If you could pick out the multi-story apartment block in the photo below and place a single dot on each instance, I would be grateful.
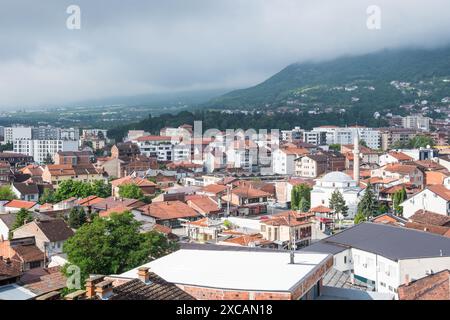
(338, 135)
(393, 136)
(293, 135)
(416, 122)
(42, 149)
(160, 147)
(316, 138)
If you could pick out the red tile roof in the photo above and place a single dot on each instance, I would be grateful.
(249, 192)
(132, 180)
(400, 156)
(21, 204)
(432, 287)
(214, 188)
(289, 218)
(320, 209)
(154, 138)
(90, 201)
(118, 210)
(400, 168)
(203, 205)
(440, 190)
(168, 210)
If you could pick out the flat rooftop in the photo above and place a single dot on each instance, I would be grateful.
(234, 269)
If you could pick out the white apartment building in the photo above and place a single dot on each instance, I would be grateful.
(383, 257)
(338, 135)
(40, 149)
(416, 122)
(316, 138)
(435, 198)
(94, 133)
(156, 146)
(283, 160)
(292, 135)
(17, 133)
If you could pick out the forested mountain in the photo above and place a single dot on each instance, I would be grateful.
(379, 80)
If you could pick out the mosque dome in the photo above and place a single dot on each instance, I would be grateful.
(336, 176)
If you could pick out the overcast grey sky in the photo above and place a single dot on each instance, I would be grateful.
(140, 47)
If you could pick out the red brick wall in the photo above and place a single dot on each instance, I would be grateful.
(201, 293)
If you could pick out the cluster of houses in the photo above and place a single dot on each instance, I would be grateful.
(228, 204)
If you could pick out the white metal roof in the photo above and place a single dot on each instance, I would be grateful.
(228, 269)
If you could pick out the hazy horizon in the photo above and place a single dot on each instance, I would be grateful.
(158, 48)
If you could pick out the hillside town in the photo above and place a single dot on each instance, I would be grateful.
(332, 213)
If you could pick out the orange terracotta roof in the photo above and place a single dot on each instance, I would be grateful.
(132, 180)
(118, 210)
(203, 205)
(90, 201)
(21, 204)
(432, 287)
(400, 156)
(247, 239)
(295, 151)
(184, 164)
(289, 218)
(400, 168)
(320, 209)
(214, 188)
(440, 190)
(168, 210)
(249, 192)
(154, 138)
(162, 229)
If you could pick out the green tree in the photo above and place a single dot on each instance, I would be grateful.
(114, 245)
(335, 147)
(48, 196)
(397, 198)
(299, 192)
(77, 217)
(304, 205)
(6, 193)
(368, 205)
(22, 217)
(101, 189)
(130, 191)
(48, 159)
(359, 218)
(338, 205)
(421, 141)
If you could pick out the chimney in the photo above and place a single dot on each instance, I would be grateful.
(104, 289)
(90, 285)
(144, 274)
(407, 280)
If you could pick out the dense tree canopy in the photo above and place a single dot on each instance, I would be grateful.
(301, 197)
(77, 217)
(6, 193)
(130, 191)
(78, 189)
(22, 217)
(114, 245)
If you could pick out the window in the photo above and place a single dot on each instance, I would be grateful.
(345, 259)
(35, 264)
(383, 284)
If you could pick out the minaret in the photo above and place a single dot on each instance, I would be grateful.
(356, 158)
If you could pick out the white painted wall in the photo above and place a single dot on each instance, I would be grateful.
(425, 200)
